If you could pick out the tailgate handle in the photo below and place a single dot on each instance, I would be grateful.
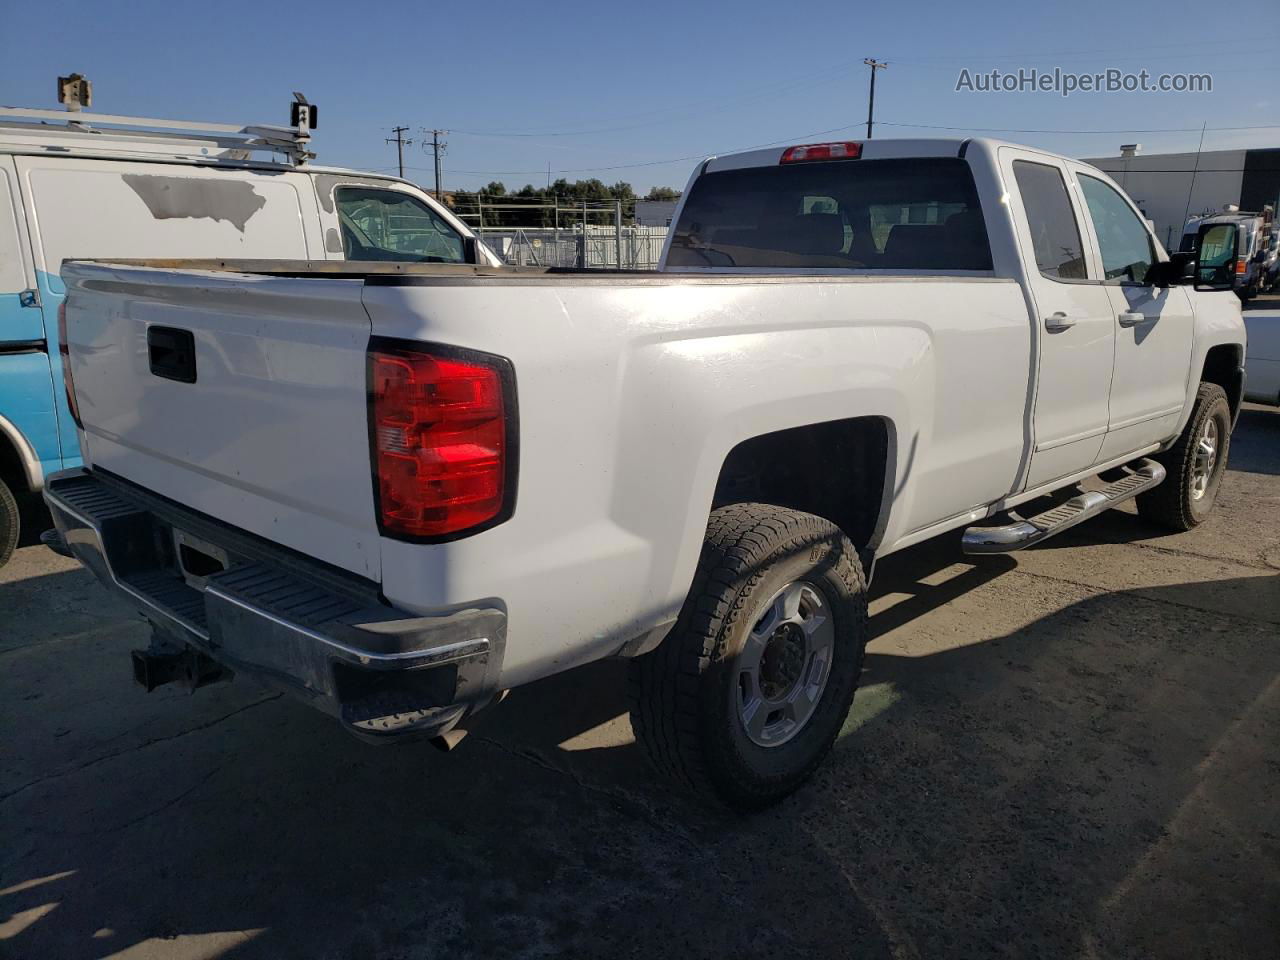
(173, 353)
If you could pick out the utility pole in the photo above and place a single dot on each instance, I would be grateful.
(617, 231)
(871, 102)
(400, 143)
(437, 151)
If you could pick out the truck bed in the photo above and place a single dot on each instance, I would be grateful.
(380, 272)
(630, 391)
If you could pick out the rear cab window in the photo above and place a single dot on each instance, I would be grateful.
(390, 225)
(893, 214)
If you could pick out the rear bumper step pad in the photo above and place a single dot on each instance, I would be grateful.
(379, 670)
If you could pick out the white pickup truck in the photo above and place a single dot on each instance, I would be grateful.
(399, 490)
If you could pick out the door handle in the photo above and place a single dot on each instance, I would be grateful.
(1131, 319)
(1058, 321)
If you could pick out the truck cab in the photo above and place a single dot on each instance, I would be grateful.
(88, 185)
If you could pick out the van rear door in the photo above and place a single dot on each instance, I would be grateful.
(85, 207)
(28, 424)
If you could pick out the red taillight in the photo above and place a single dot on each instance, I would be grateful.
(65, 354)
(1241, 267)
(810, 152)
(439, 420)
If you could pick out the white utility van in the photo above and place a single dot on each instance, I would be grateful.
(82, 185)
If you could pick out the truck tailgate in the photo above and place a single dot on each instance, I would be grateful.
(272, 435)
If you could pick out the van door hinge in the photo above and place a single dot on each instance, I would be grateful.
(29, 298)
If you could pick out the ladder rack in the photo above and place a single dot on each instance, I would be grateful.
(293, 142)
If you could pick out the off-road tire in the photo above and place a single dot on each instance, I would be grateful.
(684, 694)
(10, 523)
(1171, 504)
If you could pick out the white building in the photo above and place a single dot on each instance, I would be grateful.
(655, 213)
(1169, 187)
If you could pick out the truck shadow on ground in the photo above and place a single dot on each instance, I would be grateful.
(1093, 781)
(1255, 442)
(33, 517)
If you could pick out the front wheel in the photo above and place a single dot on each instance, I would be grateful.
(1195, 465)
(746, 695)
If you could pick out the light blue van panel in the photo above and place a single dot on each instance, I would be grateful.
(27, 401)
(19, 323)
(52, 293)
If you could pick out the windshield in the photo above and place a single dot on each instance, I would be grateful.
(1217, 253)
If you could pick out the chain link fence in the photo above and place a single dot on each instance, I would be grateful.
(601, 247)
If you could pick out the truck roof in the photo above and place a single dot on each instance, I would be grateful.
(1226, 217)
(875, 149)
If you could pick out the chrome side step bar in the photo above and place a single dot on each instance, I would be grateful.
(1143, 475)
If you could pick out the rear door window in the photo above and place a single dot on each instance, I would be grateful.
(909, 214)
(390, 225)
(1055, 234)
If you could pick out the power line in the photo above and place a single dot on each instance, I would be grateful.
(659, 117)
(663, 116)
(1197, 46)
(932, 126)
(819, 133)
(655, 163)
(1192, 187)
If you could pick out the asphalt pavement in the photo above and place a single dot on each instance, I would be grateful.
(1070, 752)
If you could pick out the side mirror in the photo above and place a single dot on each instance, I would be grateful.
(1216, 257)
(471, 251)
(1179, 268)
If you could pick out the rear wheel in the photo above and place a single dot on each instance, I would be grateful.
(746, 695)
(1195, 465)
(10, 523)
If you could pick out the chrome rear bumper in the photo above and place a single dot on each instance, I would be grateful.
(317, 632)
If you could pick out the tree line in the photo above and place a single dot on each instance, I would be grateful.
(494, 206)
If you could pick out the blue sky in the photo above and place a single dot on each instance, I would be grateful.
(626, 91)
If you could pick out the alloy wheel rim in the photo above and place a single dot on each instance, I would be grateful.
(1206, 458)
(784, 665)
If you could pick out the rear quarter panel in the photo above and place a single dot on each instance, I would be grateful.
(632, 394)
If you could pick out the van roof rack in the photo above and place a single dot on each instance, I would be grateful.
(99, 131)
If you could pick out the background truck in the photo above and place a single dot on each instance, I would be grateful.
(93, 185)
(1262, 368)
(1243, 238)
(397, 491)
